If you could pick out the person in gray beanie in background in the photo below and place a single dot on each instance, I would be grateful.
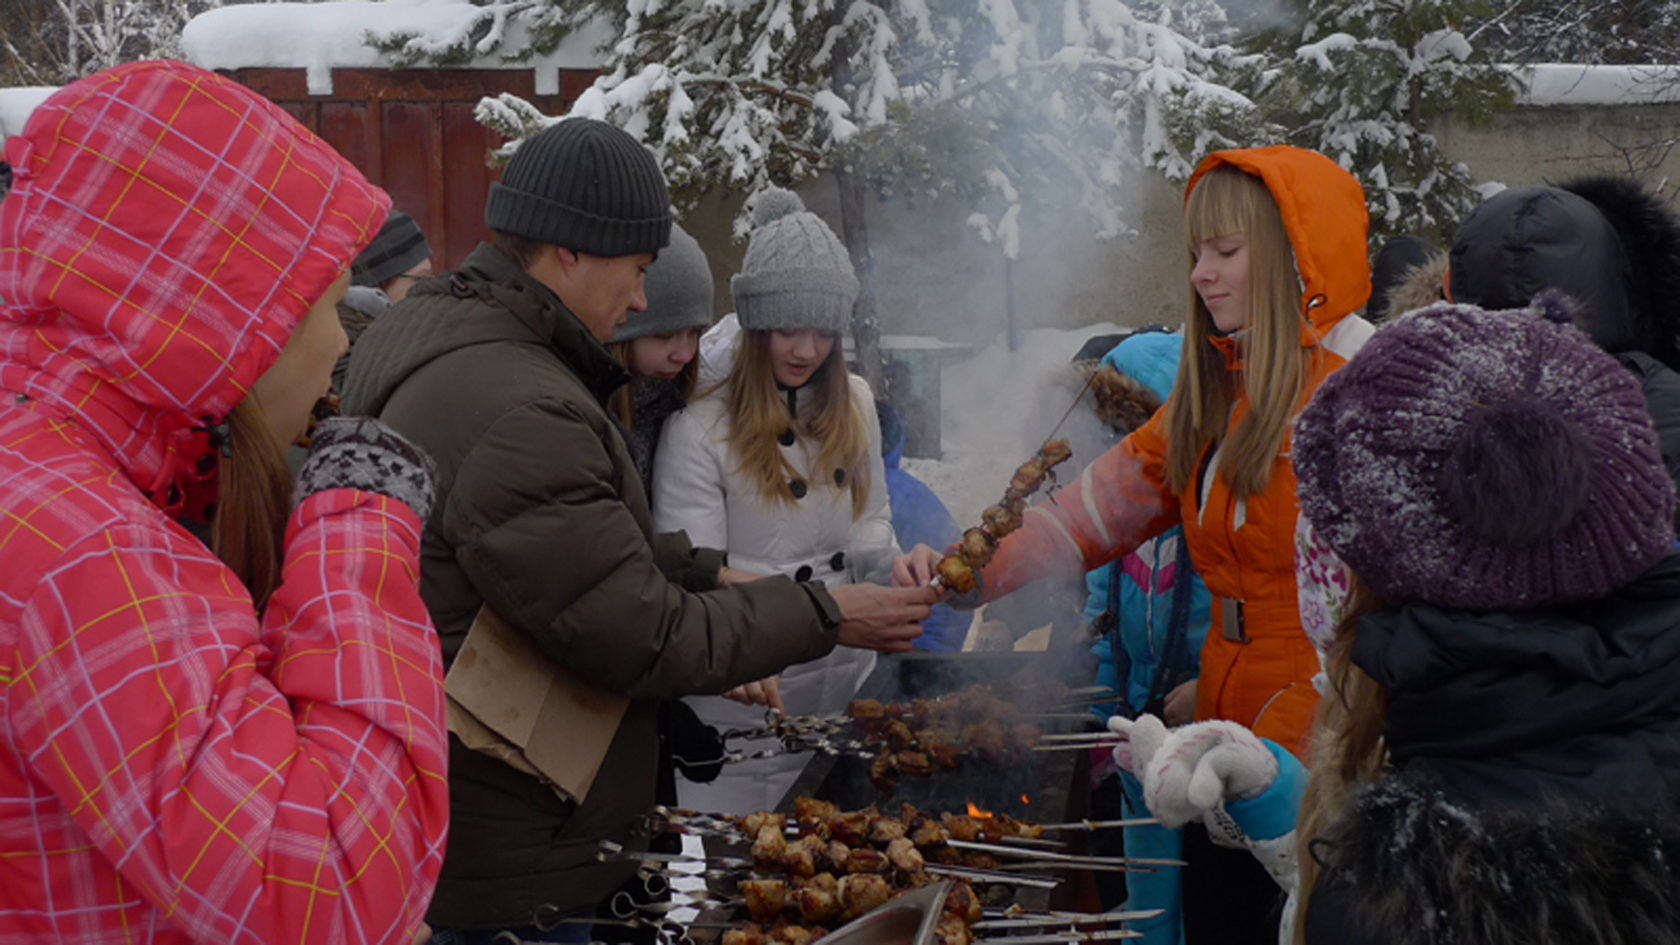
(660, 347)
(499, 370)
(381, 275)
(1497, 755)
(778, 462)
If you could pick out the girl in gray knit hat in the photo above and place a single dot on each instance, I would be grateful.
(779, 463)
(660, 347)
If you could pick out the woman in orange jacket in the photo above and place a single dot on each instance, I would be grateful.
(1276, 239)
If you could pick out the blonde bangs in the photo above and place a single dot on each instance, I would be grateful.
(759, 414)
(1224, 201)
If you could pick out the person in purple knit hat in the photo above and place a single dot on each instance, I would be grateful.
(1497, 755)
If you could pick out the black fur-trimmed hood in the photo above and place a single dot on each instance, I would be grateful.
(1407, 867)
(1604, 240)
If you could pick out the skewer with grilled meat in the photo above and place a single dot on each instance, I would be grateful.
(765, 898)
(949, 931)
(769, 846)
(819, 900)
(904, 856)
(956, 570)
(961, 902)
(860, 893)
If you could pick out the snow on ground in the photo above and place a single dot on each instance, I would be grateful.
(999, 407)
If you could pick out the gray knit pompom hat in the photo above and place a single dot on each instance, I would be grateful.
(679, 291)
(796, 273)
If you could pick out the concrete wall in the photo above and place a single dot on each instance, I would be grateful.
(936, 277)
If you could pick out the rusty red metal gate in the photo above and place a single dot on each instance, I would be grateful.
(412, 132)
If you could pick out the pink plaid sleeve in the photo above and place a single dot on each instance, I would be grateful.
(238, 782)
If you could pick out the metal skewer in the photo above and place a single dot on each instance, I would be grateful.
(991, 876)
(1051, 856)
(1065, 918)
(1101, 824)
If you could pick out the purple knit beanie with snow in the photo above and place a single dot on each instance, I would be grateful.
(1485, 460)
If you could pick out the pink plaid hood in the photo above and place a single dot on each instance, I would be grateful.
(165, 233)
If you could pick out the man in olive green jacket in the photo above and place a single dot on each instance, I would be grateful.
(498, 371)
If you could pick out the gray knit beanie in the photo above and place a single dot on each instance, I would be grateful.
(796, 273)
(679, 291)
(586, 186)
(398, 247)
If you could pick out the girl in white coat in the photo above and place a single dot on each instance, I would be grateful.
(778, 462)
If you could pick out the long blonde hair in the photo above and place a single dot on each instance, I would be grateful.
(1348, 747)
(253, 501)
(1225, 201)
(758, 415)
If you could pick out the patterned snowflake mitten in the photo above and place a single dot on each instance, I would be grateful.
(362, 453)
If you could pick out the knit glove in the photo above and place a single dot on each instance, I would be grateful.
(362, 453)
(1192, 770)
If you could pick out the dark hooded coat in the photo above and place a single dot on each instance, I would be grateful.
(541, 515)
(1531, 797)
(1607, 243)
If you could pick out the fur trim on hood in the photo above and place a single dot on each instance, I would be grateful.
(1419, 286)
(1406, 866)
(1650, 234)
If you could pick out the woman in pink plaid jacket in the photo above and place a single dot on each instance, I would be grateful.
(244, 746)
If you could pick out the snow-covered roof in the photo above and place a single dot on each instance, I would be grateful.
(1570, 84)
(319, 37)
(17, 103)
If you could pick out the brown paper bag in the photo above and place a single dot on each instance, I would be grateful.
(507, 699)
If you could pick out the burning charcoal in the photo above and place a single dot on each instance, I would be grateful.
(904, 856)
(765, 898)
(861, 893)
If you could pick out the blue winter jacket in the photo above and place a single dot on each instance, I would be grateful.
(919, 516)
(1148, 574)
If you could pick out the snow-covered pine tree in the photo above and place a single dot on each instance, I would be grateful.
(1360, 80)
(1025, 111)
(51, 42)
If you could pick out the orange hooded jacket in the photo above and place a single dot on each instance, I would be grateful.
(1243, 549)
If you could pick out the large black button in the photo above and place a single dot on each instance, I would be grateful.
(838, 562)
(840, 477)
(785, 437)
(798, 488)
(803, 574)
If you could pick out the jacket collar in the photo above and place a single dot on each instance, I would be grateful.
(535, 305)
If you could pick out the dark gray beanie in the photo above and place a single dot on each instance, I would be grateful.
(796, 273)
(398, 247)
(586, 186)
(679, 291)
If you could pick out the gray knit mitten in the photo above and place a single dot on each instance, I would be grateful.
(362, 453)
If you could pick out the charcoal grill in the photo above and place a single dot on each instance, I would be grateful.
(1036, 787)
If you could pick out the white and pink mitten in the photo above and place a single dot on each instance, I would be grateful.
(1187, 772)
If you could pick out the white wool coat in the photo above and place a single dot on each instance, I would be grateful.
(698, 488)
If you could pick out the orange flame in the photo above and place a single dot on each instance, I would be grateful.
(980, 812)
(1025, 799)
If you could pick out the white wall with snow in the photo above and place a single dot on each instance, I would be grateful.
(17, 103)
(319, 37)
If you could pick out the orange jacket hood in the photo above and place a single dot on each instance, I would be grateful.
(1323, 210)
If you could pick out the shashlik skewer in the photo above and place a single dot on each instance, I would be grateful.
(977, 545)
(1051, 856)
(1066, 918)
